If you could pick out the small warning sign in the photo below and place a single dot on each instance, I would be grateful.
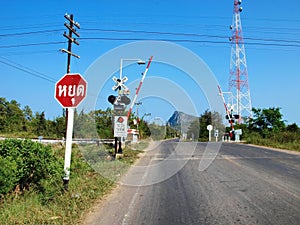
(120, 126)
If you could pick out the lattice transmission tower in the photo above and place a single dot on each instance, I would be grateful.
(238, 77)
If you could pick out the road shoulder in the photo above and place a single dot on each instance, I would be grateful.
(105, 204)
(275, 149)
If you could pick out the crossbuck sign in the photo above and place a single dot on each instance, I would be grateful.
(119, 83)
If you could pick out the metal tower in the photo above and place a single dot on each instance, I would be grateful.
(238, 78)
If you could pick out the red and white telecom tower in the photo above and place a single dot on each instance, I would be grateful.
(238, 78)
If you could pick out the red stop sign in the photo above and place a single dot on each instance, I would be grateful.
(70, 90)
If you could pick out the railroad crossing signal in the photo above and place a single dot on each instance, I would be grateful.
(231, 118)
(70, 90)
(112, 99)
(119, 83)
(117, 100)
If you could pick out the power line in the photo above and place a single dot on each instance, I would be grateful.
(154, 32)
(30, 52)
(30, 32)
(124, 31)
(26, 70)
(186, 40)
(29, 26)
(263, 29)
(109, 20)
(206, 26)
(187, 34)
(32, 44)
(143, 39)
(272, 40)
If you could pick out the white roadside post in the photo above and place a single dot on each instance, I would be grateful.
(69, 137)
(209, 128)
(216, 134)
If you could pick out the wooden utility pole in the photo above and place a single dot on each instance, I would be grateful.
(71, 40)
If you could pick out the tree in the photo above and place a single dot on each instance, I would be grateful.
(40, 124)
(22, 122)
(213, 118)
(158, 131)
(84, 125)
(28, 113)
(28, 116)
(14, 116)
(170, 131)
(60, 127)
(266, 121)
(144, 129)
(193, 130)
(103, 120)
(3, 114)
(293, 128)
(205, 119)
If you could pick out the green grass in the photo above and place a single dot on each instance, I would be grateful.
(284, 140)
(85, 187)
(293, 146)
(64, 209)
(141, 145)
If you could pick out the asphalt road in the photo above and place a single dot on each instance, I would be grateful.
(238, 184)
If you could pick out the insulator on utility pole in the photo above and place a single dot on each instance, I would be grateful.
(66, 51)
(72, 30)
(70, 18)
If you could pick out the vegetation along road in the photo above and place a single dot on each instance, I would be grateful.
(239, 184)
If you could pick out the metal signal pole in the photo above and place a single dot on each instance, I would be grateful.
(228, 113)
(69, 111)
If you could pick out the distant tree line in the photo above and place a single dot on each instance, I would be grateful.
(16, 121)
(266, 127)
(267, 123)
(22, 122)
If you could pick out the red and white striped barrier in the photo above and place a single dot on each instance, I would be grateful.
(139, 87)
(132, 131)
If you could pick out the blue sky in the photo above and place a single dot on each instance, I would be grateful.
(31, 35)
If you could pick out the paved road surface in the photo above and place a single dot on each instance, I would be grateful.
(242, 185)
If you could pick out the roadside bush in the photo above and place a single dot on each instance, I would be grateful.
(8, 178)
(286, 137)
(48, 204)
(283, 140)
(28, 165)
